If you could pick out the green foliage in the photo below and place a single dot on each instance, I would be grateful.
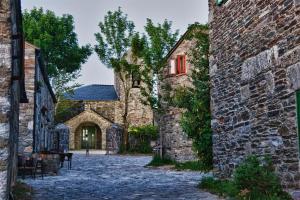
(148, 131)
(252, 180)
(142, 136)
(258, 180)
(67, 109)
(196, 100)
(114, 42)
(114, 39)
(21, 191)
(223, 188)
(192, 165)
(58, 42)
(152, 48)
(157, 161)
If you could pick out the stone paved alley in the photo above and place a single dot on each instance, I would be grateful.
(117, 177)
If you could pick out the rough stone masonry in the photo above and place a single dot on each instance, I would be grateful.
(11, 90)
(37, 115)
(175, 142)
(255, 73)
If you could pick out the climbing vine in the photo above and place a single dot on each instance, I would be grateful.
(196, 100)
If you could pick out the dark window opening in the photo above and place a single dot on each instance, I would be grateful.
(136, 80)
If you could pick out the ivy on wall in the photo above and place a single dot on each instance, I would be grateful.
(196, 121)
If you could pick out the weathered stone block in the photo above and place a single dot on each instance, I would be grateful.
(253, 93)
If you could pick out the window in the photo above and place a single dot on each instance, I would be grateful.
(298, 115)
(178, 65)
(173, 67)
(136, 80)
(181, 64)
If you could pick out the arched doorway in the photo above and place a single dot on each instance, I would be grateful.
(88, 135)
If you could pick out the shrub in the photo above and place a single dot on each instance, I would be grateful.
(192, 165)
(157, 161)
(140, 138)
(147, 131)
(256, 180)
(21, 191)
(223, 188)
(252, 180)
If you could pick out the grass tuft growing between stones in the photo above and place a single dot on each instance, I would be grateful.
(157, 161)
(21, 191)
(252, 180)
(193, 166)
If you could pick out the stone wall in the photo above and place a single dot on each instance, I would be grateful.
(11, 90)
(91, 117)
(138, 113)
(254, 65)
(105, 108)
(26, 116)
(36, 116)
(43, 128)
(114, 139)
(5, 104)
(61, 138)
(175, 143)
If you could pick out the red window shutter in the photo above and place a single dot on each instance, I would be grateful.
(178, 65)
(184, 64)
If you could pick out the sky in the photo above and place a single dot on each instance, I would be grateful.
(88, 13)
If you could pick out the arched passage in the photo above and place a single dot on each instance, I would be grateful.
(88, 135)
(87, 120)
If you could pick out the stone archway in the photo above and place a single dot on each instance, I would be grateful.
(88, 135)
(87, 117)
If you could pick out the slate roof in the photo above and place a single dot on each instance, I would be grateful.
(94, 93)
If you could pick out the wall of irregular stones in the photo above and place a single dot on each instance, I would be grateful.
(89, 116)
(254, 69)
(176, 144)
(36, 116)
(138, 113)
(26, 117)
(5, 104)
(45, 100)
(11, 90)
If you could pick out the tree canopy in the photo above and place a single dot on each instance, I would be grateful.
(56, 38)
(114, 39)
(152, 47)
(114, 42)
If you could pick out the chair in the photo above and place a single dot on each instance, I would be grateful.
(63, 158)
(39, 167)
(69, 157)
(29, 166)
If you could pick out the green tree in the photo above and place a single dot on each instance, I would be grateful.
(56, 38)
(196, 120)
(152, 48)
(114, 42)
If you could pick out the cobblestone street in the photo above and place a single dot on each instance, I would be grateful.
(117, 177)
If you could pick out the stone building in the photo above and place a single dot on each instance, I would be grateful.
(36, 116)
(98, 109)
(11, 90)
(175, 143)
(255, 72)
